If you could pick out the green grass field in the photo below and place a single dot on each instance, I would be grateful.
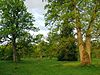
(48, 67)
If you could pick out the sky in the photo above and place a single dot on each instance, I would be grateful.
(36, 7)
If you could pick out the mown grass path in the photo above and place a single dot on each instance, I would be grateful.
(48, 67)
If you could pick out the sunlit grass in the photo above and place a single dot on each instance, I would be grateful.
(48, 67)
(71, 64)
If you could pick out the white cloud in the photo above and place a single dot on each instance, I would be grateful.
(36, 7)
(35, 4)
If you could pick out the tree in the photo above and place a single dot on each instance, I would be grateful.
(67, 45)
(62, 44)
(52, 46)
(85, 46)
(40, 47)
(14, 22)
(25, 45)
(83, 15)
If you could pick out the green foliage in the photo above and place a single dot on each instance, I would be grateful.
(64, 12)
(63, 17)
(59, 20)
(96, 49)
(52, 47)
(14, 18)
(62, 45)
(40, 49)
(15, 24)
(6, 52)
(24, 48)
(24, 45)
(67, 46)
(67, 50)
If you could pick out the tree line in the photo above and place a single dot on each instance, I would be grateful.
(74, 31)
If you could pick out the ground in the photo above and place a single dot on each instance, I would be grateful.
(48, 67)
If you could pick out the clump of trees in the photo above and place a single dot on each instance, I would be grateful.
(83, 15)
(74, 25)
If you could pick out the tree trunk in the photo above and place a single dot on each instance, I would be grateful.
(80, 43)
(85, 47)
(88, 46)
(84, 55)
(14, 50)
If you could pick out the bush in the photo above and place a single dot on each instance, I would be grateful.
(68, 51)
(67, 55)
(5, 52)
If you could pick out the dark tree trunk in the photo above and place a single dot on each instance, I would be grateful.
(14, 49)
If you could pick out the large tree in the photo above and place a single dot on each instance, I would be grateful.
(15, 20)
(83, 15)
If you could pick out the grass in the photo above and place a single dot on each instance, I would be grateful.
(48, 67)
